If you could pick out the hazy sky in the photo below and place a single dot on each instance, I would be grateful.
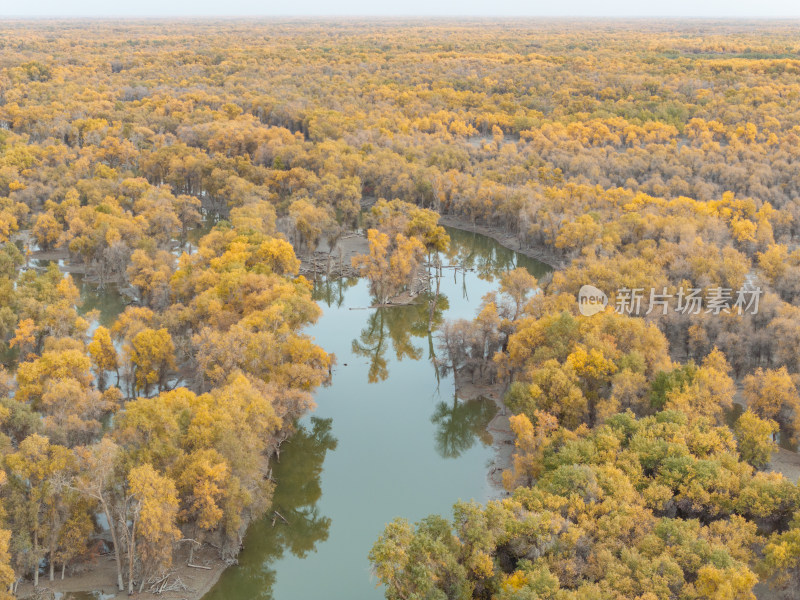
(611, 8)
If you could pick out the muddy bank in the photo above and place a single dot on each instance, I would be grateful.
(337, 261)
(502, 436)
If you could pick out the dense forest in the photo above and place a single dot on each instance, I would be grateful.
(194, 164)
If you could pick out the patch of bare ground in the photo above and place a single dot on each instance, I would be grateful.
(498, 427)
(336, 261)
(507, 240)
(764, 590)
(784, 461)
(399, 300)
(787, 463)
(100, 577)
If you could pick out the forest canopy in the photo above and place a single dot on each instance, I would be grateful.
(195, 165)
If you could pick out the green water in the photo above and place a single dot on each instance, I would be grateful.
(387, 439)
(106, 304)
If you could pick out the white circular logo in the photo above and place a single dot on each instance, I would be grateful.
(591, 300)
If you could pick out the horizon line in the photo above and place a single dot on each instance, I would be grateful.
(352, 16)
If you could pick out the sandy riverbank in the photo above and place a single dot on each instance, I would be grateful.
(99, 578)
(498, 427)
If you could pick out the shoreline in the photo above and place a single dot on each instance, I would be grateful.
(499, 428)
(541, 253)
(336, 262)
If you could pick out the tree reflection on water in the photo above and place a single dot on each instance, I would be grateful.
(395, 327)
(296, 495)
(460, 424)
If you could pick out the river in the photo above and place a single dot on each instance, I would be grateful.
(387, 439)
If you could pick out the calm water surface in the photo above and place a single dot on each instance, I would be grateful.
(387, 439)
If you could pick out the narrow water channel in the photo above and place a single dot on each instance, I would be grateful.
(387, 439)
